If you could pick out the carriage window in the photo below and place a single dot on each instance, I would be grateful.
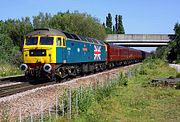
(68, 35)
(101, 42)
(86, 38)
(75, 37)
(90, 40)
(46, 41)
(82, 38)
(31, 40)
(95, 41)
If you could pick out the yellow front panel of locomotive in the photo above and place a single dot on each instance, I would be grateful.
(50, 53)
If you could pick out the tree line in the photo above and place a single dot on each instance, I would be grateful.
(13, 31)
(171, 53)
(80, 23)
(118, 28)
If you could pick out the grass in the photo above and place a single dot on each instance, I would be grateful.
(7, 69)
(138, 101)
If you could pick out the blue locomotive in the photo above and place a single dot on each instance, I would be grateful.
(54, 53)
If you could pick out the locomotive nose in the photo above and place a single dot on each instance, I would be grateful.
(23, 67)
(47, 67)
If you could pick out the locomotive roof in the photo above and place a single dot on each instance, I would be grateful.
(55, 32)
(46, 31)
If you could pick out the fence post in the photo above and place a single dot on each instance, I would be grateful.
(102, 84)
(49, 114)
(63, 105)
(81, 89)
(42, 116)
(129, 73)
(77, 103)
(69, 103)
(56, 106)
(91, 86)
(20, 115)
(110, 83)
(31, 117)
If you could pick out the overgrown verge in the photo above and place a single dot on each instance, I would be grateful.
(76, 103)
(7, 69)
(130, 98)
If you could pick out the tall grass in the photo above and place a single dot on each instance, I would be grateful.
(7, 69)
(135, 100)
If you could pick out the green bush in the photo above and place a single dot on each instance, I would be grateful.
(6, 45)
(9, 52)
(178, 75)
(10, 57)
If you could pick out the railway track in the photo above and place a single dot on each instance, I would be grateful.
(13, 85)
(12, 79)
(13, 89)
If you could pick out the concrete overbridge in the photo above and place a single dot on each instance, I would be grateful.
(140, 40)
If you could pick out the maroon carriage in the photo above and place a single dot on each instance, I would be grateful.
(118, 55)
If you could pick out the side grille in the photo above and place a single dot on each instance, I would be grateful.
(37, 52)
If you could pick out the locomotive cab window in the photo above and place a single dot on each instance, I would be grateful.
(31, 40)
(60, 42)
(46, 41)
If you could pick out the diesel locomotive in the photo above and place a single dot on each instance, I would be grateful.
(56, 54)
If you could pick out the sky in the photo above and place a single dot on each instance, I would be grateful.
(139, 16)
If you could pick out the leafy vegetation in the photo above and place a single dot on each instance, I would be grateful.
(171, 53)
(82, 24)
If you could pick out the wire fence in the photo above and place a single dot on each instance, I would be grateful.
(73, 102)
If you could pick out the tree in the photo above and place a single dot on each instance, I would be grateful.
(16, 29)
(116, 23)
(114, 30)
(109, 24)
(175, 45)
(42, 20)
(120, 28)
(104, 25)
(79, 23)
(172, 51)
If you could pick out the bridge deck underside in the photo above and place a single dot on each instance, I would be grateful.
(140, 40)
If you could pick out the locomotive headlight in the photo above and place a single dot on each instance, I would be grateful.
(23, 67)
(47, 67)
